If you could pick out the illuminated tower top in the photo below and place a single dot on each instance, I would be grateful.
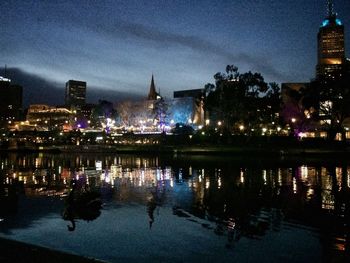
(331, 46)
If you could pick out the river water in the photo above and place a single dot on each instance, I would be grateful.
(133, 208)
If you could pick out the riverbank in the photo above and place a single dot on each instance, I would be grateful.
(224, 150)
(259, 150)
(236, 146)
(14, 251)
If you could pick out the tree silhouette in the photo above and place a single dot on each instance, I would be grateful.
(240, 99)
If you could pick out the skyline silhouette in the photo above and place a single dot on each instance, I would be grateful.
(116, 46)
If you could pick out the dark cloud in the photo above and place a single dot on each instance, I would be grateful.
(122, 29)
(197, 44)
(37, 89)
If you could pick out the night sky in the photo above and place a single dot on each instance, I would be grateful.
(116, 45)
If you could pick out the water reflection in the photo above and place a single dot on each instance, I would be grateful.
(230, 199)
(156, 199)
(81, 203)
(9, 197)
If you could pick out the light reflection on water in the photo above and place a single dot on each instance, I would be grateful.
(234, 204)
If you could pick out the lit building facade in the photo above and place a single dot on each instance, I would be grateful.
(75, 95)
(331, 46)
(45, 117)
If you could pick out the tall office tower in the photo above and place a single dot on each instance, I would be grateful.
(11, 97)
(331, 47)
(75, 94)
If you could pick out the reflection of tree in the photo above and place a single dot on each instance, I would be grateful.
(151, 206)
(156, 199)
(233, 209)
(81, 203)
(256, 204)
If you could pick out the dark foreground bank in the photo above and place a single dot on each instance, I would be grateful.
(13, 251)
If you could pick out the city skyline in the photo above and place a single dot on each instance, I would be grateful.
(116, 46)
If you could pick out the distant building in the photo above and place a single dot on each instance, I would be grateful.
(75, 94)
(159, 114)
(45, 117)
(193, 93)
(185, 110)
(11, 97)
(152, 94)
(87, 110)
(196, 96)
(149, 116)
(331, 46)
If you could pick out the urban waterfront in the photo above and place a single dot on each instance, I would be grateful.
(178, 208)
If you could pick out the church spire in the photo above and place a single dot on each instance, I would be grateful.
(152, 95)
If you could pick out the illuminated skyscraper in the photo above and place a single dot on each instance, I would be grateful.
(75, 94)
(331, 47)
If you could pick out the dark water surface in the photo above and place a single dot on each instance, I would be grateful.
(178, 209)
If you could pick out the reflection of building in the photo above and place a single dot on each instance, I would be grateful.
(10, 100)
(331, 48)
(75, 94)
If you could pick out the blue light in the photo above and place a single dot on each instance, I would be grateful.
(325, 22)
(338, 22)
